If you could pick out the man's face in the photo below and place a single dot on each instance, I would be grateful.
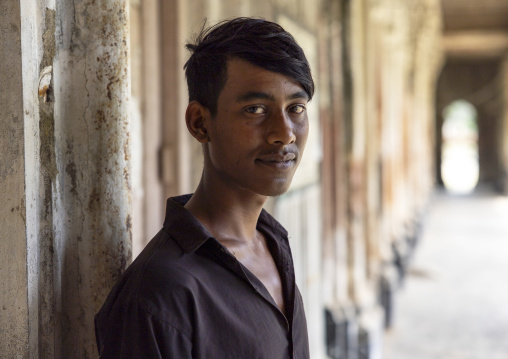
(257, 138)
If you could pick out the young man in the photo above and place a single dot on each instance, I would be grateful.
(218, 281)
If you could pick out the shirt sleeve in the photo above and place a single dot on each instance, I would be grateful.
(137, 333)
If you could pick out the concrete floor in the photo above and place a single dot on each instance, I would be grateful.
(454, 301)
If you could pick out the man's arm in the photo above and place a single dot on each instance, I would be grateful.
(137, 333)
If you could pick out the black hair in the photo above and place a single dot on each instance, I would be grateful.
(262, 43)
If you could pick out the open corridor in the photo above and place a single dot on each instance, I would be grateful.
(407, 95)
(454, 301)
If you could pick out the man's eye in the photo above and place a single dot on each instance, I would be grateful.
(257, 110)
(297, 109)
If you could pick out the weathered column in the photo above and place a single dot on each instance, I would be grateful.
(14, 311)
(92, 201)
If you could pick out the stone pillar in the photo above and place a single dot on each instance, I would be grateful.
(92, 191)
(14, 309)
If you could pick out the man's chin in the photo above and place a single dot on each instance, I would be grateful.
(277, 190)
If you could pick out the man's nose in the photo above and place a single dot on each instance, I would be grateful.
(280, 129)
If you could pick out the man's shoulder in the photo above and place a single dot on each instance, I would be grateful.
(150, 292)
(165, 268)
(161, 273)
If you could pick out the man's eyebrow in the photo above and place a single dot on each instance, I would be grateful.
(254, 95)
(299, 94)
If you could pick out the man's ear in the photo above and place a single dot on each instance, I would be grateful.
(195, 118)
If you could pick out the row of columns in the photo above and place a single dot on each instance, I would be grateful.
(67, 177)
(381, 159)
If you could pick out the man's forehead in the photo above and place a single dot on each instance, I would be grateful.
(255, 95)
(257, 81)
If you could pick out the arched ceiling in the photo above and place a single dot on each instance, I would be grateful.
(475, 28)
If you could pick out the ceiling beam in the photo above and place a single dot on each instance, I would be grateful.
(475, 44)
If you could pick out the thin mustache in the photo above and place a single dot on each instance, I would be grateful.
(278, 156)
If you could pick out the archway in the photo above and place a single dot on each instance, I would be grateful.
(459, 154)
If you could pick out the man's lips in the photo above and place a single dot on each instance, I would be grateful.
(277, 157)
(278, 160)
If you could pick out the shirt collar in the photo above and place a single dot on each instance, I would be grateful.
(190, 234)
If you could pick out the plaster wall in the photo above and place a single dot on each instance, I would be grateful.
(14, 310)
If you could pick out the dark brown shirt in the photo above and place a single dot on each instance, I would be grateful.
(186, 296)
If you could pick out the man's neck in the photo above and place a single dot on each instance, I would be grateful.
(229, 214)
